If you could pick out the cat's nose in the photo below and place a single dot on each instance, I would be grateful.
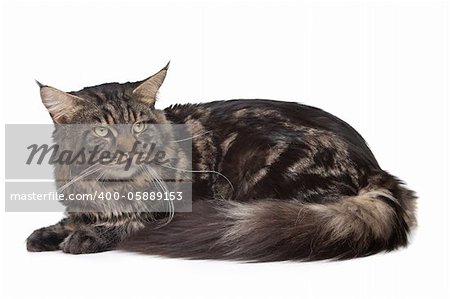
(125, 145)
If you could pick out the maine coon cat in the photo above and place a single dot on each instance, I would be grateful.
(271, 181)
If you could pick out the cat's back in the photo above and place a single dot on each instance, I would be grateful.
(240, 137)
(267, 118)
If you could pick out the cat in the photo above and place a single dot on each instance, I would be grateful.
(271, 181)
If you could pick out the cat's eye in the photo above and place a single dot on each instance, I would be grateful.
(138, 127)
(101, 131)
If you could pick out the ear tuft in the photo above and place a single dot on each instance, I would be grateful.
(167, 66)
(39, 84)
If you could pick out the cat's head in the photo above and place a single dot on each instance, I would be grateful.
(118, 120)
(109, 104)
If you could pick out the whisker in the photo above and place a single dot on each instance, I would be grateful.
(200, 171)
(195, 136)
(90, 170)
(171, 208)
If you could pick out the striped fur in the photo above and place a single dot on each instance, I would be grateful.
(274, 181)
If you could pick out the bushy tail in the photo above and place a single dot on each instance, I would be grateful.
(377, 219)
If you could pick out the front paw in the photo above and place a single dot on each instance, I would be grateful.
(84, 241)
(44, 239)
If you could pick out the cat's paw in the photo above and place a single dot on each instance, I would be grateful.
(84, 241)
(44, 239)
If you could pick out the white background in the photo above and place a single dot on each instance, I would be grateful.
(381, 66)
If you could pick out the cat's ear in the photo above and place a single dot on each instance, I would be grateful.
(61, 105)
(148, 89)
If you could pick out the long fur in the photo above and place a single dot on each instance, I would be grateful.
(377, 219)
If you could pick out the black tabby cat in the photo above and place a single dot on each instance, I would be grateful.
(271, 181)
